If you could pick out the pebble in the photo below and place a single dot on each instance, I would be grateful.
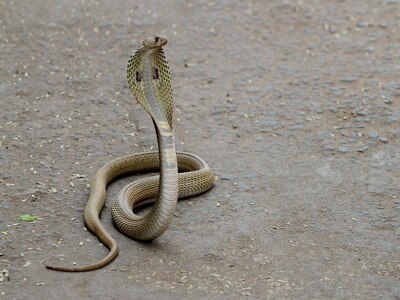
(373, 134)
(348, 79)
(362, 113)
(329, 147)
(388, 101)
(362, 149)
(333, 29)
(318, 110)
(344, 149)
(384, 139)
(333, 109)
(361, 24)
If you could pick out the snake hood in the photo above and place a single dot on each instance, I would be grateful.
(150, 81)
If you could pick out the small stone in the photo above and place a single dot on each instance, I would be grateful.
(361, 24)
(362, 149)
(388, 101)
(384, 139)
(362, 113)
(349, 79)
(333, 109)
(319, 110)
(332, 29)
(329, 147)
(373, 135)
(343, 149)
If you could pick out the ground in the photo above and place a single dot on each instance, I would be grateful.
(294, 104)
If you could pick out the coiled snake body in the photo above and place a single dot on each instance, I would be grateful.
(150, 83)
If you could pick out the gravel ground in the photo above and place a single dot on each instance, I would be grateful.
(294, 104)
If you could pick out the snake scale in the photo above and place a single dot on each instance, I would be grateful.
(150, 83)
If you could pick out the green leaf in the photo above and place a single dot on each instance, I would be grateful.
(28, 218)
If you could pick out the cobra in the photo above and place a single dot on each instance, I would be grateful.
(150, 82)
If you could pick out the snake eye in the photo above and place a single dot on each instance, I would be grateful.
(157, 38)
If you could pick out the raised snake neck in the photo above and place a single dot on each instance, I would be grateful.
(149, 81)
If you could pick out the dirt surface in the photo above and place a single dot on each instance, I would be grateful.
(294, 104)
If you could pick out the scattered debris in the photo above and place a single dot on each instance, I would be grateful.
(28, 218)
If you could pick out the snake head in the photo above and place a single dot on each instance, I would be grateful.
(155, 42)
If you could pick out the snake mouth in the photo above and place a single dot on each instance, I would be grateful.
(155, 42)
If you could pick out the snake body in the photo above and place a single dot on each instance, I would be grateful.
(150, 83)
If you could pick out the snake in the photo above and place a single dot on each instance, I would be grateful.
(181, 174)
